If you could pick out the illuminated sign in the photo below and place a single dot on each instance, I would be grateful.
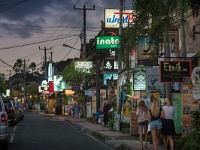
(139, 80)
(107, 42)
(110, 65)
(112, 18)
(174, 71)
(109, 76)
(84, 66)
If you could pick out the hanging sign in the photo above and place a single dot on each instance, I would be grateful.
(107, 42)
(110, 65)
(174, 71)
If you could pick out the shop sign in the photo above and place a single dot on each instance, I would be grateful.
(174, 71)
(84, 66)
(112, 18)
(144, 54)
(88, 109)
(139, 81)
(107, 42)
(152, 80)
(92, 92)
(196, 92)
(196, 76)
(110, 65)
(109, 76)
(57, 79)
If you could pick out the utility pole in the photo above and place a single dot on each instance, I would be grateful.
(24, 69)
(119, 63)
(45, 59)
(84, 27)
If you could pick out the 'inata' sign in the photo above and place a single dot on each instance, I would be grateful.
(174, 71)
(107, 42)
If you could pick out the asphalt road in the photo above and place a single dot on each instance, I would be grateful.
(37, 132)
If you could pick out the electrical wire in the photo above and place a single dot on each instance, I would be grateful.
(11, 5)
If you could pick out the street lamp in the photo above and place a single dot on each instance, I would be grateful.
(65, 45)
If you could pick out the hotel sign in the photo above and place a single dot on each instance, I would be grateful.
(112, 18)
(174, 71)
(107, 42)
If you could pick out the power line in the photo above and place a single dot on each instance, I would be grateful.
(22, 45)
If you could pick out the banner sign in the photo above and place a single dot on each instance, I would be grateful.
(139, 81)
(107, 42)
(110, 65)
(112, 18)
(84, 66)
(152, 81)
(174, 71)
(143, 54)
(109, 76)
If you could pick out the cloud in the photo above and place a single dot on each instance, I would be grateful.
(30, 13)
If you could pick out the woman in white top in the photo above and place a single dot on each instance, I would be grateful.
(142, 112)
(168, 130)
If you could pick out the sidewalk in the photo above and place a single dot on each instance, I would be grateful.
(117, 140)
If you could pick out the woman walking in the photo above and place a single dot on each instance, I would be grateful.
(155, 114)
(142, 112)
(168, 130)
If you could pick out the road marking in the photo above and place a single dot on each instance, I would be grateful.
(15, 128)
(12, 138)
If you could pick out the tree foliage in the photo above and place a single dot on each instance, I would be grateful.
(3, 85)
(31, 89)
(18, 66)
(72, 76)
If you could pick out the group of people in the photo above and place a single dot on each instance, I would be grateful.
(159, 119)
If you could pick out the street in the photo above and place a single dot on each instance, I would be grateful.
(39, 132)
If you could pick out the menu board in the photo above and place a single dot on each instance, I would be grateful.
(177, 103)
(189, 105)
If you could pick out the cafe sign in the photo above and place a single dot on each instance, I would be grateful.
(107, 42)
(174, 71)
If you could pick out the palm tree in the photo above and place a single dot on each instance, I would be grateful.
(32, 66)
(18, 66)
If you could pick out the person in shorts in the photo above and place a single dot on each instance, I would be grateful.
(155, 114)
(142, 112)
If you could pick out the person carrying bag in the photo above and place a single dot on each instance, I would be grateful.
(141, 113)
(155, 114)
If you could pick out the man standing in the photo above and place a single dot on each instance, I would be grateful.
(106, 108)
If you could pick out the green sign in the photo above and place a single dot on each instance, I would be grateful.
(107, 42)
(177, 103)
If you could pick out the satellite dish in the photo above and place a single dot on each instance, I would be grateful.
(195, 77)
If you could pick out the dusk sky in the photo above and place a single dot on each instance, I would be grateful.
(27, 24)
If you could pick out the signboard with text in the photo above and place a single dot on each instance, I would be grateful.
(112, 18)
(84, 66)
(174, 71)
(107, 42)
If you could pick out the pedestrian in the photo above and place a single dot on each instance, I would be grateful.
(106, 108)
(142, 112)
(168, 130)
(76, 110)
(155, 114)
